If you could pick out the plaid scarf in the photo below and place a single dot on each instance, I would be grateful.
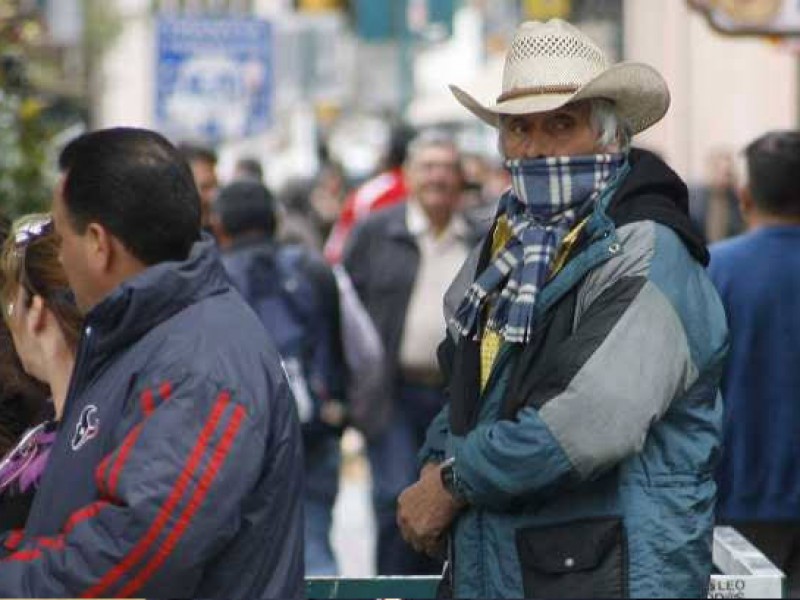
(541, 208)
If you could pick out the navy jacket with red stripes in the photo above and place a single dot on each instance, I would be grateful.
(177, 471)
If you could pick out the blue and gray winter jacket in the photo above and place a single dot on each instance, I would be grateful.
(587, 460)
(177, 471)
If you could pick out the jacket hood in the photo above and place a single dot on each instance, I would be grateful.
(652, 191)
(142, 302)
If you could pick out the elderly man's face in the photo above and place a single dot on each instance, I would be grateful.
(434, 177)
(566, 131)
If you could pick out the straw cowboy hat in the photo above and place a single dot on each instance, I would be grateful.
(552, 64)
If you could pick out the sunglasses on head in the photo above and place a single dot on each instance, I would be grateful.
(26, 232)
(30, 229)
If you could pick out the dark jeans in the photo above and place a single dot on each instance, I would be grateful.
(780, 543)
(393, 462)
(323, 460)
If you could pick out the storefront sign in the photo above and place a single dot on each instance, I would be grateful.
(752, 17)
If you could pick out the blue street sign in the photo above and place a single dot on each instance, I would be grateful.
(214, 77)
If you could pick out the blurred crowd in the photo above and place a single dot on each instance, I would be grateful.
(534, 348)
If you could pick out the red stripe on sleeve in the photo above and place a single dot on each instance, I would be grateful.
(100, 475)
(52, 543)
(178, 490)
(14, 539)
(24, 555)
(148, 404)
(87, 512)
(185, 519)
(122, 457)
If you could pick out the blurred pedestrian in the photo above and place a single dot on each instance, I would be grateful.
(40, 312)
(383, 190)
(714, 205)
(485, 181)
(248, 167)
(203, 163)
(328, 196)
(298, 223)
(575, 457)
(295, 295)
(758, 277)
(177, 468)
(400, 261)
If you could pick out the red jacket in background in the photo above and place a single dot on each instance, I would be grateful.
(383, 190)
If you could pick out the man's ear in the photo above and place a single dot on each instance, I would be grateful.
(747, 205)
(219, 230)
(100, 247)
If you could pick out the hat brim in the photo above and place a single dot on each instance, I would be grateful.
(638, 91)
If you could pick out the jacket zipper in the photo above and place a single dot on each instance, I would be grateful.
(497, 367)
(80, 367)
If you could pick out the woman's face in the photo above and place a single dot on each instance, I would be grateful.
(21, 315)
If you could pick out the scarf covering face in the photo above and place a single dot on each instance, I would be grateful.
(541, 208)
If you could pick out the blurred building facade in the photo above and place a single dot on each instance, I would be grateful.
(725, 90)
(334, 73)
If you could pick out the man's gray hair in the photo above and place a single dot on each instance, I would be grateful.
(610, 127)
(430, 138)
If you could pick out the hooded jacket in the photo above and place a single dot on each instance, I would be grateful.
(177, 470)
(587, 459)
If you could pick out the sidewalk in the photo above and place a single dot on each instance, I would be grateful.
(353, 522)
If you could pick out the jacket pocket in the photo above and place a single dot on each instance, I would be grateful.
(578, 559)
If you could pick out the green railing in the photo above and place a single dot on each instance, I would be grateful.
(373, 587)
(743, 572)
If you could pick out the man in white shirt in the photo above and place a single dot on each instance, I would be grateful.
(401, 261)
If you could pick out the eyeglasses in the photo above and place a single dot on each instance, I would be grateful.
(25, 232)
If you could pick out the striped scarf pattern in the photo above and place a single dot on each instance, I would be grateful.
(541, 207)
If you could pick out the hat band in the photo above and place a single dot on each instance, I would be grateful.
(537, 90)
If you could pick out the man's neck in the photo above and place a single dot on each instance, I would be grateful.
(439, 219)
(759, 219)
(121, 273)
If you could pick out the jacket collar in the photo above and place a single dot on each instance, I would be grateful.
(654, 192)
(144, 301)
(397, 227)
(417, 222)
(250, 240)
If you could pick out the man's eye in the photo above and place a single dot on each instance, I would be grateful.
(517, 128)
(564, 123)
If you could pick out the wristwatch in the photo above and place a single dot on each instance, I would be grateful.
(450, 480)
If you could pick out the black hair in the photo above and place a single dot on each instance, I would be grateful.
(246, 206)
(295, 195)
(192, 152)
(399, 138)
(134, 183)
(773, 162)
(250, 167)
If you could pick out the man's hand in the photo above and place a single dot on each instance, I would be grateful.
(425, 511)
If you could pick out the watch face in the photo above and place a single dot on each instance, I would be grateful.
(448, 477)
